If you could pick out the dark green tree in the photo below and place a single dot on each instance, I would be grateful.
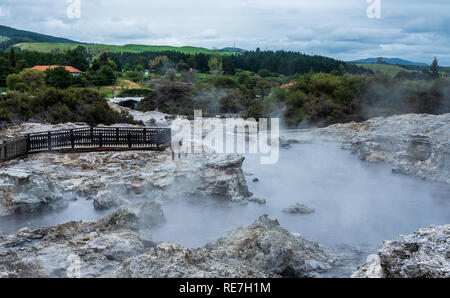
(265, 73)
(104, 76)
(201, 63)
(58, 78)
(434, 69)
(182, 66)
(78, 58)
(4, 70)
(127, 67)
(142, 61)
(103, 60)
(227, 66)
(12, 58)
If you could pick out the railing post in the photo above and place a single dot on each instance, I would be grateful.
(72, 139)
(100, 143)
(117, 136)
(6, 150)
(145, 136)
(28, 143)
(129, 139)
(92, 136)
(49, 140)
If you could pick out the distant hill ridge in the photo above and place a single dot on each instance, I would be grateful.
(393, 61)
(232, 49)
(27, 40)
(28, 36)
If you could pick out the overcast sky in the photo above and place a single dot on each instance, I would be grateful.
(416, 30)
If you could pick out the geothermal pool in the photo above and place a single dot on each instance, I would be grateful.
(357, 204)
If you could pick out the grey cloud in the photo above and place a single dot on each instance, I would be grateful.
(411, 29)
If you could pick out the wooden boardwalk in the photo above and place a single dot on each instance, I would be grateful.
(87, 139)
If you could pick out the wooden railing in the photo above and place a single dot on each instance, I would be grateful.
(13, 148)
(89, 137)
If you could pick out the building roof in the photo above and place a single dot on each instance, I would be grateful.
(45, 67)
(288, 85)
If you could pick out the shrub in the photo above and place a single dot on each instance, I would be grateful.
(265, 73)
(60, 113)
(5, 114)
(134, 76)
(225, 82)
(12, 80)
(33, 78)
(173, 98)
(56, 106)
(21, 87)
(135, 93)
(58, 78)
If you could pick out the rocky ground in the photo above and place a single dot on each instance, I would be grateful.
(91, 249)
(151, 118)
(115, 246)
(423, 254)
(264, 249)
(414, 144)
(121, 244)
(112, 179)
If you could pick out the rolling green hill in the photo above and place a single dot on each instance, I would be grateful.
(26, 36)
(391, 70)
(10, 37)
(97, 49)
(392, 61)
(27, 40)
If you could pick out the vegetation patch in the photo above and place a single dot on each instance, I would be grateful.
(97, 49)
(60, 106)
(323, 99)
(389, 69)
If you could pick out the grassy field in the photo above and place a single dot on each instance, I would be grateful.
(389, 69)
(97, 49)
(121, 85)
(3, 38)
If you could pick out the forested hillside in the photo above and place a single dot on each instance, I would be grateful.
(271, 63)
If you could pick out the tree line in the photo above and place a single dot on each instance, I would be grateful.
(279, 62)
(14, 66)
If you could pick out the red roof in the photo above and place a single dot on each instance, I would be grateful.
(288, 85)
(45, 67)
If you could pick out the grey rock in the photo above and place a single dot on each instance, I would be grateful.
(257, 200)
(287, 143)
(414, 144)
(267, 246)
(299, 209)
(168, 260)
(423, 254)
(222, 175)
(101, 246)
(27, 192)
(52, 254)
(107, 248)
(119, 177)
(264, 249)
(135, 217)
(106, 200)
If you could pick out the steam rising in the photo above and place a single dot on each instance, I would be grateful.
(356, 203)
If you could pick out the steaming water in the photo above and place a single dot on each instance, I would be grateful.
(79, 210)
(357, 204)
